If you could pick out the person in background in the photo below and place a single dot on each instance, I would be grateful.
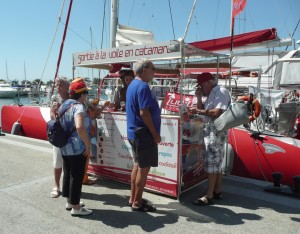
(218, 100)
(76, 151)
(126, 77)
(142, 111)
(94, 111)
(62, 86)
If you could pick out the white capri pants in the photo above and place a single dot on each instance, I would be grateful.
(57, 158)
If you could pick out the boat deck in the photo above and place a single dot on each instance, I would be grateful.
(26, 206)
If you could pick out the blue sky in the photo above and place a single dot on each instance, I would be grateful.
(28, 26)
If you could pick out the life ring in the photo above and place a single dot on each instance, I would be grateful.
(256, 107)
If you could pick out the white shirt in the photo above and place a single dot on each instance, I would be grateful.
(219, 98)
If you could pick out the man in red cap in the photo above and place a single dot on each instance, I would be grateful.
(217, 101)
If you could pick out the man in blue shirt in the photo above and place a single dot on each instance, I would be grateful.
(142, 111)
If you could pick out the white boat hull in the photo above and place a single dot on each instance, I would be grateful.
(8, 94)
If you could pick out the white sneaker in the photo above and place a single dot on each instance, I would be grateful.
(81, 212)
(69, 206)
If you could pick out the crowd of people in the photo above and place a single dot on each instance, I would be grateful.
(143, 133)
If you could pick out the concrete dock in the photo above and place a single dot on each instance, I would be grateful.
(26, 206)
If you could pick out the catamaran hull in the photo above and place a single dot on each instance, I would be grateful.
(259, 156)
(33, 120)
(8, 94)
(255, 156)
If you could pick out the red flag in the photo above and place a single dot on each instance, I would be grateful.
(237, 7)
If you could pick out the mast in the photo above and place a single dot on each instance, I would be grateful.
(92, 49)
(189, 21)
(113, 22)
(6, 70)
(24, 71)
(62, 45)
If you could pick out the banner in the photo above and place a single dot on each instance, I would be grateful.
(237, 7)
(172, 101)
(113, 158)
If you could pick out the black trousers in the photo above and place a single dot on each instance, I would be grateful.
(74, 167)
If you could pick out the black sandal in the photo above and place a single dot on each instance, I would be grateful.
(203, 201)
(144, 201)
(218, 196)
(144, 208)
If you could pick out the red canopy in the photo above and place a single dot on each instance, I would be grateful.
(238, 40)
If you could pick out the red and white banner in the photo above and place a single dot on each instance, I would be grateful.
(172, 101)
(114, 153)
(237, 7)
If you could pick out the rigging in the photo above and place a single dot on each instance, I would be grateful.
(172, 20)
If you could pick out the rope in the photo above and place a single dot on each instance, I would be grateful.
(103, 21)
(22, 114)
(258, 161)
(294, 32)
(282, 18)
(171, 19)
(131, 12)
(54, 36)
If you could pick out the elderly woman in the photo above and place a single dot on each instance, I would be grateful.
(75, 152)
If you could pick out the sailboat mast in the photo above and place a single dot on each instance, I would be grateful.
(6, 70)
(113, 22)
(24, 71)
(189, 21)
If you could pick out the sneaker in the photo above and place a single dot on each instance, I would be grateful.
(69, 206)
(81, 212)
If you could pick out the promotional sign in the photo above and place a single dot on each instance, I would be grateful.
(114, 154)
(125, 54)
(172, 101)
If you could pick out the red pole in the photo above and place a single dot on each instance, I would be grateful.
(62, 45)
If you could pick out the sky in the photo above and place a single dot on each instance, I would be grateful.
(28, 28)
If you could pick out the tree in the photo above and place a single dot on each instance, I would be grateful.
(49, 83)
(96, 81)
(26, 82)
(37, 81)
(14, 82)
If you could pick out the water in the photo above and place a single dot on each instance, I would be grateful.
(25, 100)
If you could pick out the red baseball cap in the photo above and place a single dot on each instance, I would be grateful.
(78, 86)
(203, 77)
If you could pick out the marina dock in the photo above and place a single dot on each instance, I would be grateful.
(27, 207)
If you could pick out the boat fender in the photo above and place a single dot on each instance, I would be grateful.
(256, 107)
(296, 180)
(277, 176)
(1, 134)
(227, 163)
(16, 128)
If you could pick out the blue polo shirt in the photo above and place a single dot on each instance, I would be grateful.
(138, 96)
